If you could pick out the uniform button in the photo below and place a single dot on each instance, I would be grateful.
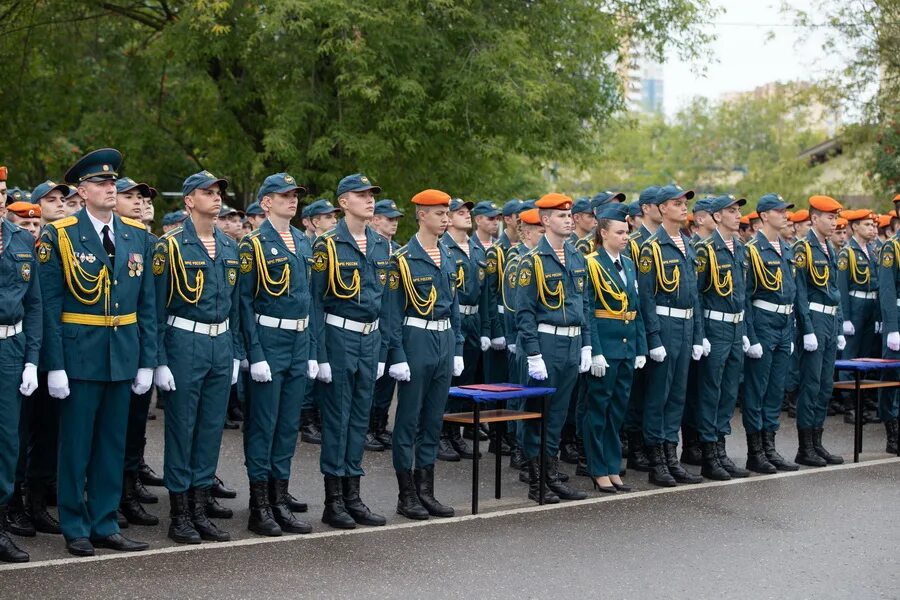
(117, 305)
(624, 341)
(116, 282)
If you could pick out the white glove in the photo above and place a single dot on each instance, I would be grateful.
(849, 329)
(379, 371)
(745, 344)
(640, 362)
(29, 379)
(598, 365)
(810, 342)
(877, 326)
(485, 343)
(142, 381)
(755, 351)
(324, 374)
(458, 366)
(537, 370)
(260, 372)
(234, 371)
(696, 352)
(841, 342)
(163, 378)
(658, 354)
(586, 360)
(498, 343)
(792, 347)
(312, 369)
(893, 341)
(707, 347)
(58, 384)
(245, 365)
(511, 348)
(400, 371)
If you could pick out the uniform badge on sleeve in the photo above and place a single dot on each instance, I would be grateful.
(382, 276)
(800, 260)
(25, 270)
(843, 263)
(393, 280)
(644, 264)
(232, 276)
(887, 260)
(320, 261)
(492, 265)
(43, 252)
(524, 277)
(159, 261)
(246, 262)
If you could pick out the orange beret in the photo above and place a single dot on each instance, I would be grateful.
(554, 200)
(431, 198)
(800, 216)
(826, 204)
(26, 210)
(841, 223)
(530, 216)
(690, 218)
(896, 198)
(790, 214)
(745, 220)
(753, 215)
(885, 220)
(3, 173)
(858, 214)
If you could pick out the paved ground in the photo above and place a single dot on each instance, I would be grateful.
(794, 536)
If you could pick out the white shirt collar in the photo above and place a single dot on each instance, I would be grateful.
(611, 257)
(99, 225)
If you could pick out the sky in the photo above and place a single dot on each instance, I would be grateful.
(743, 56)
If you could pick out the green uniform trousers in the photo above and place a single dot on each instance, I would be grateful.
(666, 381)
(605, 405)
(863, 343)
(12, 361)
(93, 420)
(421, 400)
(38, 436)
(634, 415)
(718, 378)
(765, 378)
(473, 359)
(889, 399)
(195, 410)
(817, 373)
(136, 433)
(561, 356)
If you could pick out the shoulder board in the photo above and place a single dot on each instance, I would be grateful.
(653, 238)
(592, 254)
(634, 234)
(252, 234)
(133, 222)
(14, 227)
(752, 241)
(800, 242)
(330, 233)
(171, 232)
(66, 222)
(401, 251)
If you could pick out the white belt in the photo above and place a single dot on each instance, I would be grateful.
(864, 295)
(781, 309)
(715, 315)
(8, 331)
(468, 309)
(501, 309)
(678, 313)
(351, 325)
(210, 329)
(563, 331)
(898, 301)
(439, 325)
(289, 324)
(823, 308)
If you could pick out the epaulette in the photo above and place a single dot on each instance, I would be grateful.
(752, 241)
(14, 226)
(171, 233)
(634, 234)
(531, 252)
(134, 223)
(654, 237)
(800, 242)
(401, 251)
(592, 255)
(65, 222)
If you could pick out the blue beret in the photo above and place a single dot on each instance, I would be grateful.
(513, 207)
(320, 207)
(614, 212)
(388, 208)
(670, 192)
(582, 205)
(45, 188)
(202, 180)
(486, 208)
(126, 184)
(254, 209)
(356, 183)
(605, 198)
(648, 195)
(279, 183)
(772, 202)
(95, 166)
(723, 202)
(458, 203)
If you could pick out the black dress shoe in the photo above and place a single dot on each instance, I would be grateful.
(445, 450)
(295, 505)
(622, 487)
(80, 547)
(214, 510)
(143, 495)
(229, 424)
(11, 553)
(119, 542)
(606, 489)
(148, 476)
(220, 489)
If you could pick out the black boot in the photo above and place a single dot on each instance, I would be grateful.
(37, 508)
(806, 453)
(460, 445)
(18, 521)
(581, 469)
(148, 476)
(623, 439)
(214, 510)
(659, 472)
(220, 489)
(504, 449)
(424, 480)
(281, 508)
(567, 451)
(445, 448)
(335, 514)
(711, 468)
(690, 447)
(891, 428)
(121, 519)
(382, 434)
(181, 529)
(9, 552)
(371, 443)
(772, 455)
(130, 506)
(309, 430)
(637, 458)
(355, 506)
(534, 484)
(727, 463)
(294, 505)
(831, 459)
(408, 503)
(482, 433)
(557, 485)
(208, 530)
(670, 451)
(517, 459)
(262, 521)
(143, 495)
(757, 460)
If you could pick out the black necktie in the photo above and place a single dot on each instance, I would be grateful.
(108, 245)
(618, 265)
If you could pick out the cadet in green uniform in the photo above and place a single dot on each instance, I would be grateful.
(495, 257)
(721, 280)
(585, 224)
(97, 296)
(819, 317)
(20, 343)
(551, 320)
(385, 221)
(350, 274)
(275, 264)
(618, 344)
(424, 285)
(858, 283)
(889, 289)
(200, 350)
(670, 308)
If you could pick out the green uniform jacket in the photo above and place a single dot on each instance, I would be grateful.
(614, 338)
(764, 263)
(470, 276)
(857, 272)
(826, 292)
(730, 267)
(495, 257)
(508, 291)
(889, 284)
(21, 291)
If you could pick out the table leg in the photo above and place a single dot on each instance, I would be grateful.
(497, 460)
(475, 460)
(543, 458)
(857, 425)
